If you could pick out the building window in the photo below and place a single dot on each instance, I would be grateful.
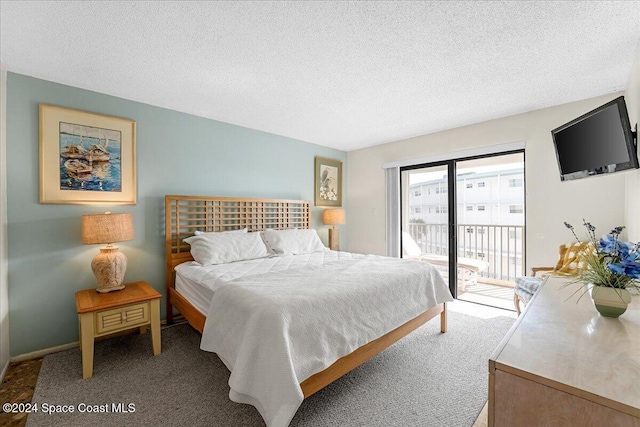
(470, 185)
(441, 190)
(512, 234)
(417, 193)
(480, 230)
(480, 184)
(441, 209)
(515, 182)
(516, 209)
(480, 207)
(417, 210)
(469, 230)
(469, 208)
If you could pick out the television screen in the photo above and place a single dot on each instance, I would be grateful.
(598, 142)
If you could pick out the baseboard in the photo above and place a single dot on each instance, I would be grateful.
(69, 346)
(4, 370)
(43, 352)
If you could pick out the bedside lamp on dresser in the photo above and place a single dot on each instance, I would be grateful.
(334, 217)
(110, 264)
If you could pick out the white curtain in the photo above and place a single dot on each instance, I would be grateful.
(393, 212)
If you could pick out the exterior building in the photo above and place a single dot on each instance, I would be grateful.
(490, 225)
(482, 198)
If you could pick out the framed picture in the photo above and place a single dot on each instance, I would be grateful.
(328, 182)
(86, 158)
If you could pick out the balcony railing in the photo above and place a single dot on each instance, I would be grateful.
(501, 246)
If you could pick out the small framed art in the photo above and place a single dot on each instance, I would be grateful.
(86, 158)
(328, 182)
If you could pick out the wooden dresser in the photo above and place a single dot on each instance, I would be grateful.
(562, 364)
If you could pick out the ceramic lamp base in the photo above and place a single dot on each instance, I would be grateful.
(334, 239)
(109, 267)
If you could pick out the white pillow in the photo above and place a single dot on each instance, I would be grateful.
(220, 248)
(295, 242)
(240, 230)
(409, 246)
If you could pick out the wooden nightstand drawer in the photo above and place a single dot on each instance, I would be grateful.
(121, 318)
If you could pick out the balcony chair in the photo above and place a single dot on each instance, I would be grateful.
(569, 263)
(468, 268)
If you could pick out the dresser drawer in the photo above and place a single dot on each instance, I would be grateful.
(121, 318)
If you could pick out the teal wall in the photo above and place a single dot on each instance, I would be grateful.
(176, 154)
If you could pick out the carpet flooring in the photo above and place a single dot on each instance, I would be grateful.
(426, 379)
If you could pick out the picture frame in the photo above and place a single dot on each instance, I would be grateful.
(86, 158)
(328, 182)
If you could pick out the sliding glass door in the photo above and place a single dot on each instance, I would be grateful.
(467, 217)
(426, 215)
(490, 223)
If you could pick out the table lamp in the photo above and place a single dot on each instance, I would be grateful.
(110, 264)
(333, 217)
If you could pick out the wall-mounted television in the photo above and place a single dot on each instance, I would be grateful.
(595, 143)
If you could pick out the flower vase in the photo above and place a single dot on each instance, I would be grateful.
(610, 302)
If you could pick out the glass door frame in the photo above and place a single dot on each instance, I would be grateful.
(452, 200)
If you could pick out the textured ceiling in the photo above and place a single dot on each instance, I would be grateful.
(341, 74)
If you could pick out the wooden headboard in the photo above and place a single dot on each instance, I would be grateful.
(186, 214)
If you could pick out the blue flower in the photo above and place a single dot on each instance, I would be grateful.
(627, 250)
(628, 263)
(607, 244)
(633, 271)
(621, 259)
(627, 267)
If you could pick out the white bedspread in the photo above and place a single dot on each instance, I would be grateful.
(214, 276)
(198, 283)
(275, 330)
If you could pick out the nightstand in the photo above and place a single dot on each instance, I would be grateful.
(136, 306)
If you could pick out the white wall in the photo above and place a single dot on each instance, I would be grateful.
(549, 202)
(4, 287)
(632, 208)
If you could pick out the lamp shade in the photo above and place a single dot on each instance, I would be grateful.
(333, 216)
(107, 228)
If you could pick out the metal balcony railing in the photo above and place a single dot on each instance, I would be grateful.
(501, 246)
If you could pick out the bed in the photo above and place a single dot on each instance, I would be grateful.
(186, 214)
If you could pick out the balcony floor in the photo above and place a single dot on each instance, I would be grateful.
(496, 295)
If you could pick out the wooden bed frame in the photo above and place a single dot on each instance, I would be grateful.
(185, 214)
